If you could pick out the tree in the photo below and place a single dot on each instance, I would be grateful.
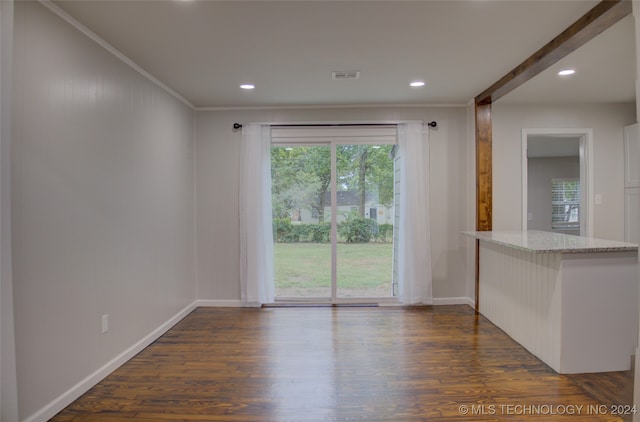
(380, 167)
(363, 153)
(301, 176)
(318, 163)
(366, 168)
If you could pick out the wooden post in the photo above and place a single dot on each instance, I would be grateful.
(484, 183)
(484, 168)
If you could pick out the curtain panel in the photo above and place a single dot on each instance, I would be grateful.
(256, 230)
(414, 248)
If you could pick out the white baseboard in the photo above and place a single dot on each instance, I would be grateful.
(83, 386)
(238, 304)
(212, 303)
(454, 301)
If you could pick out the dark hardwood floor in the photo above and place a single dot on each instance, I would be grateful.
(344, 364)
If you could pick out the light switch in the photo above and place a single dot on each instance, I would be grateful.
(105, 323)
(598, 199)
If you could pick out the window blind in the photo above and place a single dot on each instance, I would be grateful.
(373, 134)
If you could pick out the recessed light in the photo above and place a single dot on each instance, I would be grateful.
(247, 86)
(566, 72)
(417, 84)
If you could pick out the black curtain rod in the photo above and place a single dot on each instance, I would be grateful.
(432, 124)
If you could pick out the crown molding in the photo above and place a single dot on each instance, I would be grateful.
(111, 49)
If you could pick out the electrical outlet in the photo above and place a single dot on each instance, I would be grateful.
(105, 323)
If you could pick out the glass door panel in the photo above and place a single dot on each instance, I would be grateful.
(301, 192)
(365, 217)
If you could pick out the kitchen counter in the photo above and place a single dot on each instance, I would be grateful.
(543, 242)
(572, 301)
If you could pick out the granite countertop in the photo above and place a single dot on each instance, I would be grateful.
(544, 242)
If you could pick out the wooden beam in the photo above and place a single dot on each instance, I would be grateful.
(604, 15)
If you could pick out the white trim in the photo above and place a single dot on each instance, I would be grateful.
(437, 301)
(212, 303)
(111, 49)
(65, 399)
(440, 301)
(391, 301)
(586, 172)
(327, 106)
(194, 181)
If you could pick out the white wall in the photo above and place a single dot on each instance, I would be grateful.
(102, 204)
(606, 121)
(540, 171)
(217, 162)
(8, 384)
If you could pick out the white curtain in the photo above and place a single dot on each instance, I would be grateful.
(256, 230)
(414, 245)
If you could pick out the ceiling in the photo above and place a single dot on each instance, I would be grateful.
(204, 50)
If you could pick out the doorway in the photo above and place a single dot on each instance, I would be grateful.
(557, 180)
(333, 217)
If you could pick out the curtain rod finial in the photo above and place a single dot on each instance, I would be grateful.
(433, 124)
(237, 126)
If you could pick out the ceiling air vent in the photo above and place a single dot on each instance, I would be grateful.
(339, 75)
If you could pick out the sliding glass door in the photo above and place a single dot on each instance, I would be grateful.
(333, 216)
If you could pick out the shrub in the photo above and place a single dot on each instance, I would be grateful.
(300, 233)
(385, 232)
(283, 231)
(355, 229)
(320, 232)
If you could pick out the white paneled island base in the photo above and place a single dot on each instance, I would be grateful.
(571, 301)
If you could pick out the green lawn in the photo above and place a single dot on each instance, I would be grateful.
(308, 265)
